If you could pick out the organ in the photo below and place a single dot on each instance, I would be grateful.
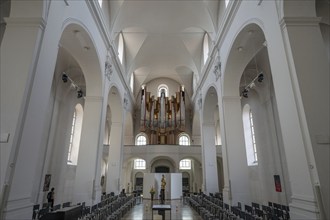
(162, 118)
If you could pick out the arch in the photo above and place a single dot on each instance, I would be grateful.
(77, 39)
(248, 41)
(162, 87)
(163, 161)
(115, 103)
(210, 105)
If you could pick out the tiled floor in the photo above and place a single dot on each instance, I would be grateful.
(179, 211)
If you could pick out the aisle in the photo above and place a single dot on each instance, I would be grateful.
(179, 211)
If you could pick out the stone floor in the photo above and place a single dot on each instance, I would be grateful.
(180, 211)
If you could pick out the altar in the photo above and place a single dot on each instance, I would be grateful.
(173, 188)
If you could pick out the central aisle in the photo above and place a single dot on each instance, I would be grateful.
(180, 211)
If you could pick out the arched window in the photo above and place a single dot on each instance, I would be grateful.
(185, 164)
(121, 48)
(184, 140)
(139, 164)
(226, 2)
(161, 88)
(249, 135)
(131, 82)
(205, 47)
(75, 135)
(141, 140)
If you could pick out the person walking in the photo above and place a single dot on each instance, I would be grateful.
(50, 198)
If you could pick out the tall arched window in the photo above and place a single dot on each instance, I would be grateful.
(131, 82)
(141, 140)
(205, 47)
(184, 140)
(161, 88)
(121, 48)
(185, 164)
(226, 2)
(249, 135)
(75, 135)
(139, 164)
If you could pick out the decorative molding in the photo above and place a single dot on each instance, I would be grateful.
(217, 70)
(200, 101)
(26, 22)
(126, 101)
(93, 98)
(299, 21)
(108, 68)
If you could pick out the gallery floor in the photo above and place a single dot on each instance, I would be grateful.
(179, 211)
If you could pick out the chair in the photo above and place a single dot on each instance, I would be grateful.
(35, 211)
(57, 207)
(66, 204)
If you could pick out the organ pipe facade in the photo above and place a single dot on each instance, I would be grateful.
(162, 118)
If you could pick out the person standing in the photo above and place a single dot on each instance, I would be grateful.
(162, 190)
(50, 198)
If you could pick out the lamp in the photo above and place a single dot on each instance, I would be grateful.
(260, 77)
(65, 79)
(79, 94)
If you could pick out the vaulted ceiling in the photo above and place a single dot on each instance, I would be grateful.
(164, 38)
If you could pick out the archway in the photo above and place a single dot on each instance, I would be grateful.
(115, 157)
(210, 115)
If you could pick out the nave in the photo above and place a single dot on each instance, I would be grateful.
(179, 210)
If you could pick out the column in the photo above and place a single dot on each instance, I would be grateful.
(24, 110)
(209, 154)
(234, 153)
(115, 158)
(86, 181)
(304, 114)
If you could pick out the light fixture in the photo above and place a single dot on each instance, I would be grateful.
(79, 94)
(260, 77)
(65, 79)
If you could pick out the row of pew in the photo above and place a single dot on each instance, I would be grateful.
(111, 207)
(213, 208)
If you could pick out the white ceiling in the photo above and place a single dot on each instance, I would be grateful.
(163, 38)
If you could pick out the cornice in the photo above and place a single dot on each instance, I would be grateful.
(299, 21)
(26, 22)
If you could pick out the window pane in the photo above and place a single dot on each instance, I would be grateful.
(141, 140)
(185, 164)
(184, 140)
(139, 164)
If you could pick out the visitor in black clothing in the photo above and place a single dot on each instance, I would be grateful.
(50, 198)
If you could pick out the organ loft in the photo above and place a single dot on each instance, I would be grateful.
(162, 118)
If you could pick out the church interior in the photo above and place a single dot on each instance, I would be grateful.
(229, 100)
